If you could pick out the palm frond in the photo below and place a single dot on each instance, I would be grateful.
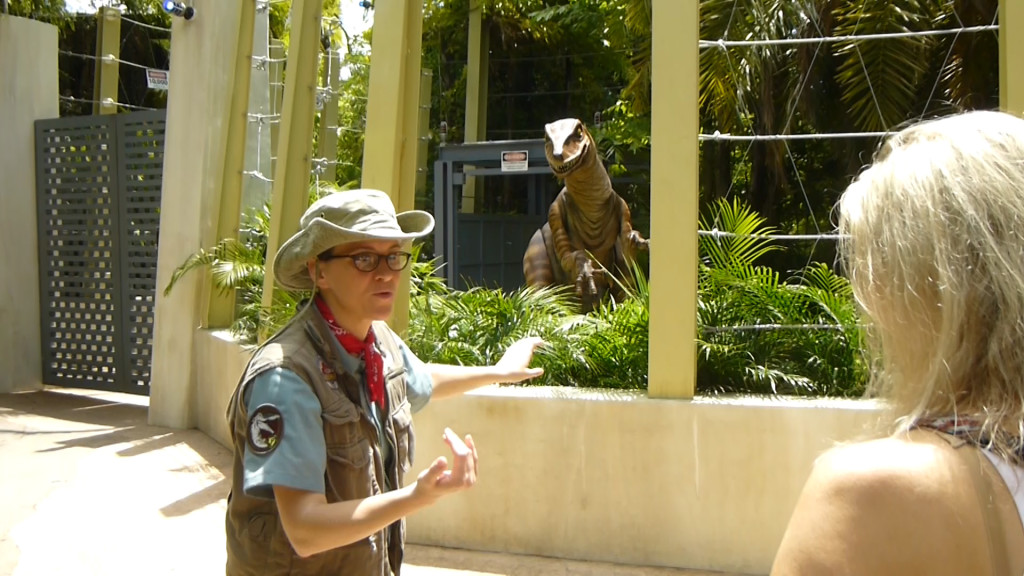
(880, 79)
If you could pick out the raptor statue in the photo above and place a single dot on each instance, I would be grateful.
(588, 230)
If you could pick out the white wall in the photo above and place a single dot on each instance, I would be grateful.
(194, 150)
(618, 477)
(220, 362)
(607, 475)
(28, 92)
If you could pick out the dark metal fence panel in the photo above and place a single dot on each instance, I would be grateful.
(76, 176)
(140, 173)
(490, 249)
(98, 195)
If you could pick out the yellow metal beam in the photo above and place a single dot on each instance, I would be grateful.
(1011, 47)
(289, 196)
(220, 306)
(477, 67)
(392, 115)
(108, 51)
(674, 199)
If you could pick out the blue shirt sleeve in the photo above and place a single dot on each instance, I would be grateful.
(300, 459)
(419, 385)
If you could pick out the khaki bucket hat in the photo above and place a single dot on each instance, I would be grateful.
(340, 217)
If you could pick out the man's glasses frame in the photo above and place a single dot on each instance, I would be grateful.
(370, 261)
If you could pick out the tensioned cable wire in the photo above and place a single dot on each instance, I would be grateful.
(107, 58)
(106, 103)
(784, 137)
(850, 38)
(717, 234)
(257, 175)
(770, 327)
(144, 25)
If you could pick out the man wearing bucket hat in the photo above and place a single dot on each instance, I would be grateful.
(322, 417)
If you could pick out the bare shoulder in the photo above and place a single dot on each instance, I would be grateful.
(888, 506)
(917, 461)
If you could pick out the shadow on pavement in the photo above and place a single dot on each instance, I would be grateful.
(93, 420)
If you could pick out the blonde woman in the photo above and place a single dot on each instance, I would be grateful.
(934, 247)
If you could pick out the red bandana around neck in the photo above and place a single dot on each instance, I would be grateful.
(364, 349)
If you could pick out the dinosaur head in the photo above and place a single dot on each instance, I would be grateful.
(567, 145)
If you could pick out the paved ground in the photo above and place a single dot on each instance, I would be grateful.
(91, 490)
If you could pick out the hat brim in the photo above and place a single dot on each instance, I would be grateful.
(290, 263)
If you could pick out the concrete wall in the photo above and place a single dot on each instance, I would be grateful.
(197, 115)
(28, 92)
(607, 475)
(618, 477)
(219, 364)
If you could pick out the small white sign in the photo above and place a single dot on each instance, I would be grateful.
(515, 160)
(158, 79)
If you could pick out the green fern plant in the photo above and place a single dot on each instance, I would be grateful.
(237, 264)
(816, 347)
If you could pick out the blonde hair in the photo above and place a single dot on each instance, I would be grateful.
(934, 248)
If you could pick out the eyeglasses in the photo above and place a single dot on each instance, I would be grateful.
(370, 261)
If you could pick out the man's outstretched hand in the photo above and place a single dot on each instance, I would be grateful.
(515, 362)
(440, 480)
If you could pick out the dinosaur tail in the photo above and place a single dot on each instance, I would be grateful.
(538, 259)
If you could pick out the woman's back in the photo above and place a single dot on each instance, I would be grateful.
(932, 240)
(906, 505)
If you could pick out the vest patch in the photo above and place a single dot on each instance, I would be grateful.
(266, 428)
(329, 374)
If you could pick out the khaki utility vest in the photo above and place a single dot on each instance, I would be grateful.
(256, 542)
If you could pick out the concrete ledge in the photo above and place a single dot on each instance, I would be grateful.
(220, 361)
(608, 475)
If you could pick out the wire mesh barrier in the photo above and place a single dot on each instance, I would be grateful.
(336, 64)
(742, 59)
(795, 104)
(109, 43)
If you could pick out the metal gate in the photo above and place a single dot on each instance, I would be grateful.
(98, 182)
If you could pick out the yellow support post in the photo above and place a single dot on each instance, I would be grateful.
(329, 114)
(672, 362)
(220, 306)
(389, 152)
(108, 51)
(1011, 46)
(477, 69)
(289, 195)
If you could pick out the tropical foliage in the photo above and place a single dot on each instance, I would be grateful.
(761, 334)
(237, 266)
(834, 86)
(816, 354)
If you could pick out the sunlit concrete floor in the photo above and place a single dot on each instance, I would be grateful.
(89, 488)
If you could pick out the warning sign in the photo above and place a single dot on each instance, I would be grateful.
(515, 160)
(158, 79)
